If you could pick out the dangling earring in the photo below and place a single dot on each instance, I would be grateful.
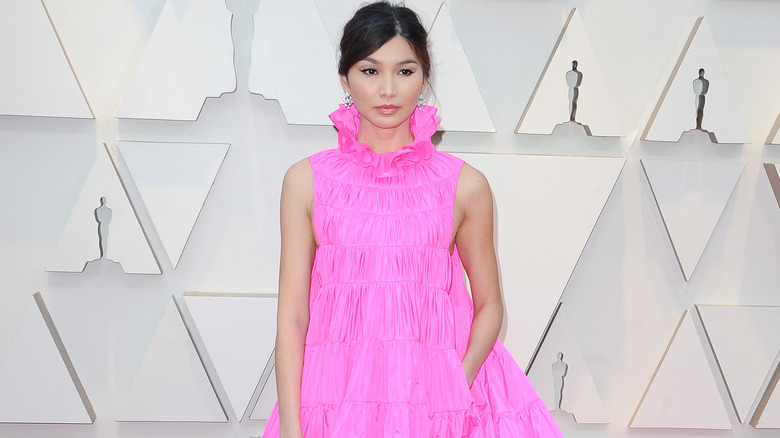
(420, 101)
(347, 101)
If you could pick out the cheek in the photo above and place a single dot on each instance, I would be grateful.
(414, 85)
(412, 91)
(361, 89)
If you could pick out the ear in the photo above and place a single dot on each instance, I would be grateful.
(344, 83)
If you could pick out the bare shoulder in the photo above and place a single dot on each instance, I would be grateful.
(472, 186)
(298, 188)
(299, 172)
(299, 179)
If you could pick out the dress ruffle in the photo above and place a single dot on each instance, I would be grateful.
(389, 312)
(422, 123)
(387, 420)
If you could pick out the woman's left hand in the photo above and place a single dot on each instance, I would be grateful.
(470, 372)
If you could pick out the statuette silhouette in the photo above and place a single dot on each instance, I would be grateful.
(241, 24)
(573, 80)
(559, 370)
(700, 88)
(103, 218)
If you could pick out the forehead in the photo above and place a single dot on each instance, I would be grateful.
(395, 50)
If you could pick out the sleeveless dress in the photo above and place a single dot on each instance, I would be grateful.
(389, 311)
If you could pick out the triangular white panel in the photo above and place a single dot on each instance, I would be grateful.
(454, 88)
(549, 104)
(290, 42)
(546, 209)
(36, 76)
(188, 57)
(682, 392)
(745, 340)
(99, 39)
(171, 384)
(38, 383)
(239, 333)
(580, 396)
(173, 180)
(691, 196)
(267, 399)
(675, 111)
(79, 242)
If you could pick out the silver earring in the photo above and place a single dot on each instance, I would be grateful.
(420, 101)
(347, 101)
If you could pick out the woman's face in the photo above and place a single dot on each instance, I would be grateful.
(386, 84)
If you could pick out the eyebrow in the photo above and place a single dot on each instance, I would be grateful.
(404, 62)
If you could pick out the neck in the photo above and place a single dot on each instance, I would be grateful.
(384, 140)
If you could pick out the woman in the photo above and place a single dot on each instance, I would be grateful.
(377, 335)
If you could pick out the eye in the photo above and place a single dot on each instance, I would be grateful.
(406, 72)
(369, 71)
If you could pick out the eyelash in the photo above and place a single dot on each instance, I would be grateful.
(373, 71)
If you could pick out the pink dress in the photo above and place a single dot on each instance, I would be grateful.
(389, 311)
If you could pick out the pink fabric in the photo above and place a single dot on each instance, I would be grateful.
(389, 311)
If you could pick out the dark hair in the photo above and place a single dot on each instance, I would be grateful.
(377, 23)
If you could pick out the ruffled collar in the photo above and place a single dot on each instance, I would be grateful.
(422, 123)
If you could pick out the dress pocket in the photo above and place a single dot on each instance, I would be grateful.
(460, 382)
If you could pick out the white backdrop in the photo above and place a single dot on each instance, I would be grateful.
(622, 300)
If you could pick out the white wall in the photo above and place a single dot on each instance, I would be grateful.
(623, 299)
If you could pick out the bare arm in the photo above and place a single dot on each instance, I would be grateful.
(474, 238)
(297, 255)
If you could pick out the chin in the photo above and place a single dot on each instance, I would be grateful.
(394, 120)
(389, 124)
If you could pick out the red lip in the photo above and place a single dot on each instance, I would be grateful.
(387, 109)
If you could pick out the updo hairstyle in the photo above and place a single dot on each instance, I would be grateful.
(377, 23)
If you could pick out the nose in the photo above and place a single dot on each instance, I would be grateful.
(388, 86)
